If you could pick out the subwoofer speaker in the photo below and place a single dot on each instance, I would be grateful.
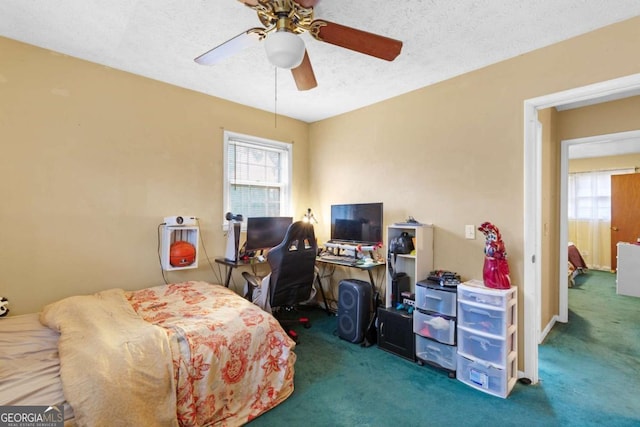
(354, 305)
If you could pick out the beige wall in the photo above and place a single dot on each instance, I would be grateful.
(627, 161)
(94, 158)
(97, 157)
(452, 153)
(609, 117)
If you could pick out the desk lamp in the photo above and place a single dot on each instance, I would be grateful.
(309, 217)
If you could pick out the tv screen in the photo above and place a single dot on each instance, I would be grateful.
(357, 223)
(266, 232)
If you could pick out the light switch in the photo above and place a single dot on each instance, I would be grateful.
(469, 232)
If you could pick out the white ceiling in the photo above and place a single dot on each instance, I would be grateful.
(442, 38)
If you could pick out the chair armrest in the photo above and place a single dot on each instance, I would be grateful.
(252, 279)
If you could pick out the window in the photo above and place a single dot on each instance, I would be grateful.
(590, 194)
(257, 176)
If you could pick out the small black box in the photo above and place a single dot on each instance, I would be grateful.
(395, 332)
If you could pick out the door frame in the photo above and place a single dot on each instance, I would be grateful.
(533, 202)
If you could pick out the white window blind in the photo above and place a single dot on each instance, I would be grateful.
(257, 176)
(589, 194)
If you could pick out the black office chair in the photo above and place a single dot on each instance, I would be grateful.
(290, 282)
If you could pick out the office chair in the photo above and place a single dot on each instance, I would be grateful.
(293, 271)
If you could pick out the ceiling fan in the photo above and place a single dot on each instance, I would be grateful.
(283, 21)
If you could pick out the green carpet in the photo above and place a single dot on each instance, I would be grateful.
(589, 375)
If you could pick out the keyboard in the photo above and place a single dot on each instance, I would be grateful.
(338, 259)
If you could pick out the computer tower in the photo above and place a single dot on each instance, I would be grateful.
(400, 282)
(354, 309)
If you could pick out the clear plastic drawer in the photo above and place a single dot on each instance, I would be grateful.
(435, 352)
(436, 300)
(435, 327)
(485, 377)
(483, 318)
(481, 346)
(473, 291)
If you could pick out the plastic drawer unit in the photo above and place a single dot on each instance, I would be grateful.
(487, 337)
(434, 323)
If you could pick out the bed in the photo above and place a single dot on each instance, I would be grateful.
(188, 354)
(576, 264)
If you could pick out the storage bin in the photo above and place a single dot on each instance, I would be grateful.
(438, 300)
(485, 318)
(475, 292)
(435, 327)
(483, 376)
(434, 352)
(476, 345)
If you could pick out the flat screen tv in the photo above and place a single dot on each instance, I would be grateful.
(266, 232)
(359, 223)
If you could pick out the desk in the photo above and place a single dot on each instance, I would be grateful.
(230, 265)
(368, 267)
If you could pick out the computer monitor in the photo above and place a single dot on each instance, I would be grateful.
(359, 223)
(266, 232)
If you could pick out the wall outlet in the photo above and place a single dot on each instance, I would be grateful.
(469, 232)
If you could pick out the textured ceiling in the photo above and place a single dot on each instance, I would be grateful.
(442, 38)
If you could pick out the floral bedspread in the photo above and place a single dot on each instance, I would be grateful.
(232, 361)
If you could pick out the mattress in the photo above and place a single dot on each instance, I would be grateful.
(29, 363)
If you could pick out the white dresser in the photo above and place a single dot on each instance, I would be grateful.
(628, 273)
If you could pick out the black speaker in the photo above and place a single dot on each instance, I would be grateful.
(354, 305)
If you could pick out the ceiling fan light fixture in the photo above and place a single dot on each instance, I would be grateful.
(284, 49)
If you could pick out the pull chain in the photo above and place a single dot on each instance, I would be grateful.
(275, 96)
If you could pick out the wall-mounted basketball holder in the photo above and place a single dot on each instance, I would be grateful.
(179, 243)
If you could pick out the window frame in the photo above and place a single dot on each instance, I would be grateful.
(285, 148)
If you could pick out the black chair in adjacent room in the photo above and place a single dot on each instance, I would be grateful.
(290, 281)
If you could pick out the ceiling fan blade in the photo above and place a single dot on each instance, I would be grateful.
(231, 47)
(357, 40)
(303, 74)
(249, 2)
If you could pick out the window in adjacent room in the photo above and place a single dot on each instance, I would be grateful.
(257, 176)
(590, 194)
(589, 212)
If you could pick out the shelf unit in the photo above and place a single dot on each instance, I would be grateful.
(174, 233)
(487, 338)
(395, 327)
(416, 265)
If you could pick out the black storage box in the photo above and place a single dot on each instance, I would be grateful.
(395, 332)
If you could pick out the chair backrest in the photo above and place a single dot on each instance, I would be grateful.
(292, 265)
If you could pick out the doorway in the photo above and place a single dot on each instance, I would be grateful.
(565, 146)
(598, 92)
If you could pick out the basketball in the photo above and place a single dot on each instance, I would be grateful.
(181, 254)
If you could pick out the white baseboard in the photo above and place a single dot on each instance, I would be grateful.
(547, 329)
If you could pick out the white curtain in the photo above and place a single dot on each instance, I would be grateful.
(589, 210)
